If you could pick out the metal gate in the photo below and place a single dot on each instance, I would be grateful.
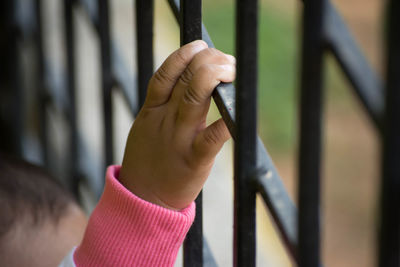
(323, 31)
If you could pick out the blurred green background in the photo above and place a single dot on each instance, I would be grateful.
(277, 65)
(351, 148)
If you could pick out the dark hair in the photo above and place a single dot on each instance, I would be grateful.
(29, 192)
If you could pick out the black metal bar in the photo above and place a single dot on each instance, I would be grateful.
(41, 85)
(107, 78)
(389, 238)
(12, 126)
(224, 97)
(71, 88)
(284, 212)
(246, 133)
(310, 134)
(122, 77)
(190, 21)
(144, 42)
(366, 84)
(190, 30)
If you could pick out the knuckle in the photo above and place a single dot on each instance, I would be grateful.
(191, 96)
(162, 76)
(187, 76)
(206, 54)
(181, 56)
(218, 56)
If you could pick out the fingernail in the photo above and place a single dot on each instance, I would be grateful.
(231, 58)
(199, 45)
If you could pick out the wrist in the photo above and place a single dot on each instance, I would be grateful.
(140, 189)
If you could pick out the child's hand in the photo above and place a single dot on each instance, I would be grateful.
(170, 151)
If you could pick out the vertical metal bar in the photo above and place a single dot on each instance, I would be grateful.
(144, 43)
(270, 186)
(13, 89)
(310, 134)
(389, 238)
(107, 78)
(190, 29)
(71, 87)
(190, 21)
(41, 86)
(246, 132)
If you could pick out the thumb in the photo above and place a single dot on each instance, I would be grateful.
(210, 141)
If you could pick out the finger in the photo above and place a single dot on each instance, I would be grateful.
(206, 56)
(165, 78)
(209, 141)
(194, 104)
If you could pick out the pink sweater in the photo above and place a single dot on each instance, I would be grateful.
(125, 230)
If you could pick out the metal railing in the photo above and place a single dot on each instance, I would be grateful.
(323, 31)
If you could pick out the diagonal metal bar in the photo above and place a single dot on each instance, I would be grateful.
(277, 199)
(366, 84)
(281, 207)
(208, 257)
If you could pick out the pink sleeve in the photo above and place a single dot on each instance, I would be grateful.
(125, 230)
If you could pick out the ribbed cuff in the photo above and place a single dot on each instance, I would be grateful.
(125, 230)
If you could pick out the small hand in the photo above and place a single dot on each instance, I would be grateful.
(170, 150)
